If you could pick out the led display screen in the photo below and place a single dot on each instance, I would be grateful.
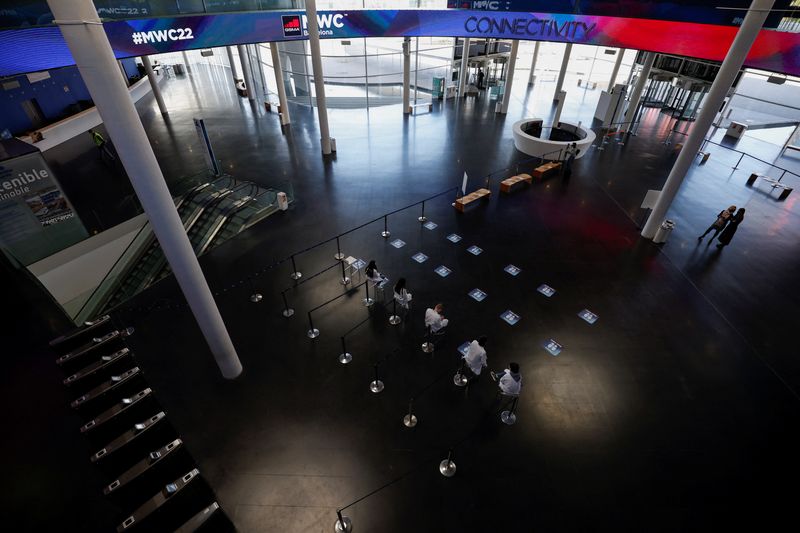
(43, 48)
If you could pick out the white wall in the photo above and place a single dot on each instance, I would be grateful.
(72, 274)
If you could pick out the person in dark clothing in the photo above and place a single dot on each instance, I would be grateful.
(480, 79)
(719, 224)
(729, 231)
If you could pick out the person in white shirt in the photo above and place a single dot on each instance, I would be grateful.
(509, 380)
(377, 279)
(476, 356)
(401, 295)
(435, 319)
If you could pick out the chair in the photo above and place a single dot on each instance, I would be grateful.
(352, 267)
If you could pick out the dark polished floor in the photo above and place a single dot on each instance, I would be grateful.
(676, 411)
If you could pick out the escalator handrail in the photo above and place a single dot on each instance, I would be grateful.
(220, 223)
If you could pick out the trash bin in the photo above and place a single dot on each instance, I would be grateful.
(178, 68)
(736, 129)
(283, 202)
(663, 232)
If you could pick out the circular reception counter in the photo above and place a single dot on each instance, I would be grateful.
(550, 143)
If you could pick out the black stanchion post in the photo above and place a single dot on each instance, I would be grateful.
(447, 467)
(367, 300)
(460, 379)
(385, 233)
(422, 218)
(345, 280)
(343, 523)
(295, 275)
(313, 332)
(255, 296)
(345, 356)
(394, 319)
(738, 162)
(410, 420)
(287, 311)
(339, 255)
(508, 417)
(376, 385)
(427, 346)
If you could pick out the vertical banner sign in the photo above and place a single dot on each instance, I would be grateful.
(211, 161)
(36, 219)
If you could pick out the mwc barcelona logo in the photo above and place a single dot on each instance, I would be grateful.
(291, 26)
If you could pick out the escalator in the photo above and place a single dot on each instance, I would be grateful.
(257, 208)
(211, 212)
(155, 267)
(190, 208)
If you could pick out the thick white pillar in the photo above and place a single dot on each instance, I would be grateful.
(462, 75)
(186, 61)
(319, 80)
(246, 73)
(406, 74)
(561, 97)
(615, 70)
(636, 95)
(512, 62)
(232, 61)
(124, 74)
(95, 60)
(532, 75)
(734, 60)
(151, 77)
(563, 72)
(276, 66)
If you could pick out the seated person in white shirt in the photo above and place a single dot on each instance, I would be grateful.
(377, 279)
(476, 356)
(402, 295)
(509, 380)
(435, 319)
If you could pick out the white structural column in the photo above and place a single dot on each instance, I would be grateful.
(532, 75)
(95, 60)
(276, 66)
(636, 96)
(124, 74)
(186, 61)
(151, 77)
(615, 70)
(734, 60)
(462, 75)
(406, 74)
(563, 72)
(319, 80)
(512, 61)
(248, 76)
(232, 61)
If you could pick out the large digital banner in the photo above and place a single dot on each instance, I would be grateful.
(44, 48)
(702, 11)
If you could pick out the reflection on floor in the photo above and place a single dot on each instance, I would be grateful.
(677, 406)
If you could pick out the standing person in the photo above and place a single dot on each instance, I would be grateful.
(401, 295)
(480, 79)
(476, 356)
(570, 155)
(434, 319)
(509, 380)
(729, 231)
(102, 145)
(719, 224)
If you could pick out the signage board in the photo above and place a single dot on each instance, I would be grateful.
(43, 48)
